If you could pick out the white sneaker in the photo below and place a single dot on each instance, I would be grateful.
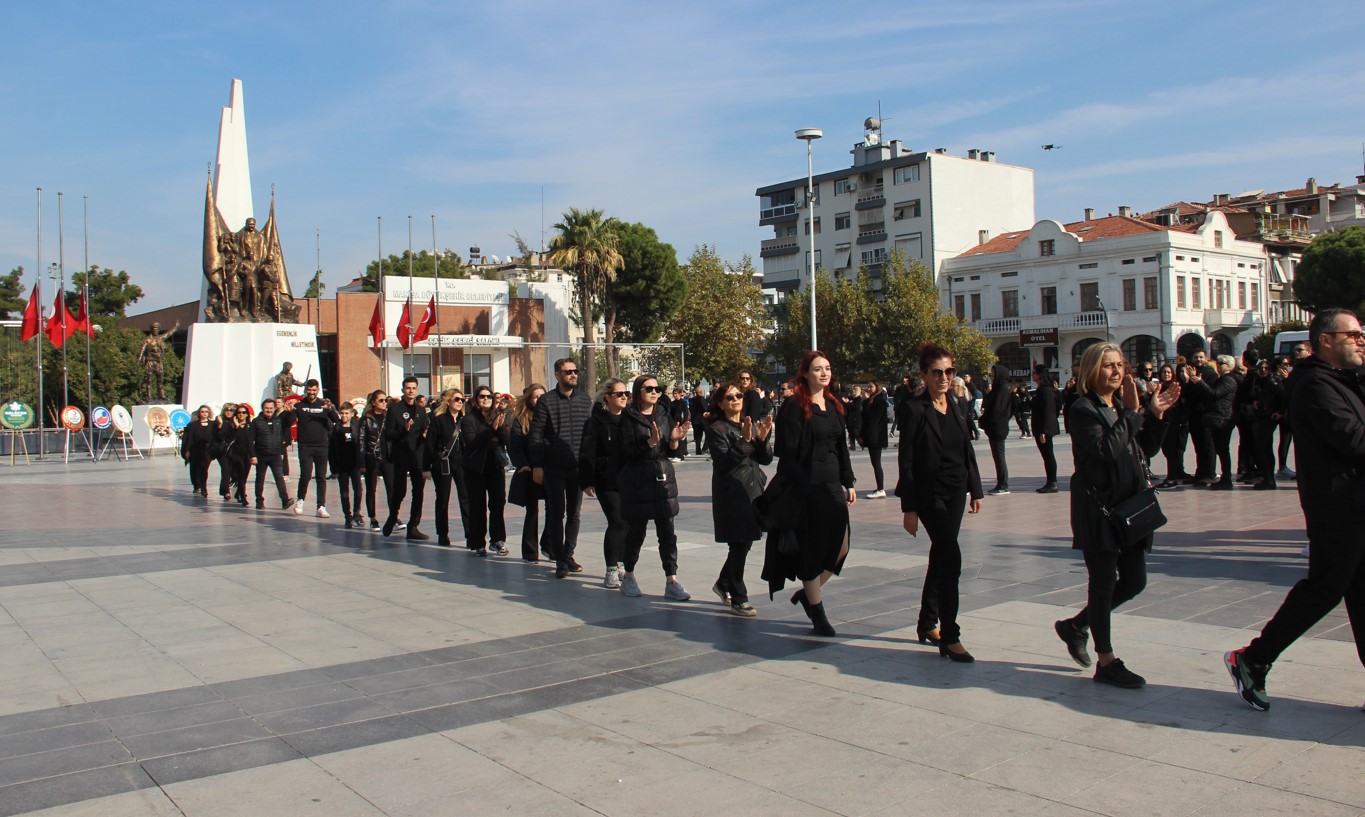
(676, 592)
(876, 495)
(613, 579)
(1304, 552)
(298, 509)
(322, 512)
(629, 587)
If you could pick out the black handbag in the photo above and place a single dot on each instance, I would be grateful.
(1140, 515)
(780, 505)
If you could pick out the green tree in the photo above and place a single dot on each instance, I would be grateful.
(12, 300)
(315, 286)
(845, 318)
(1332, 272)
(449, 263)
(528, 258)
(589, 245)
(725, 321)
(111, 293)
(647, 294)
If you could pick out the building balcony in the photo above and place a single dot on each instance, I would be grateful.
(872, 233)
(773, 247)
(1215, 319)
(996, 327)
(871, 201)
(780, 214)
(1064, 322)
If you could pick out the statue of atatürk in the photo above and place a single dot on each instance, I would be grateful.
(245, 271)
(150, 356)
(285, 381)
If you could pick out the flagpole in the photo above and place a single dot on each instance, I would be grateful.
(61, 271)
(89, 329)
(411, 362)
(384, 351)
(436, 269)
(38, 274)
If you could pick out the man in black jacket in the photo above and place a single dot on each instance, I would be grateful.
(315, 419)
(1201, 435)
(1328, 415)
(995, 421)
(405, 427)
(553, 444)
(1045, 429)
(270, 432)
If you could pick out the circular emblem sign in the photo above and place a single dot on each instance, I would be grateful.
(123, 421)
(16, 416)
(179, 419)
(73, 419)
(100, 418)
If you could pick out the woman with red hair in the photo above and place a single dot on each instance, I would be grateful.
(812, 446)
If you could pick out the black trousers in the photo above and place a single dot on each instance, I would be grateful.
(699, 435)
(240, 468)
(1049, 459)
(224, 475)
(403, 472)
(1222, 449)
(563, 504)
(531, 537)
(668, 543)
(199, 471)
(275, 464)
(313, 465)
(614, 540)
(348, 485)
(1264, 448)
(1246, 434)
(875, 454)
(443, 484)
(1202, 439)
(1116, 576)
(1286, 437)
(486, 493)
(1002, 471)
(939, 600)
(731, 578)
(1177, 438)
(1336, 570)
(372, 476)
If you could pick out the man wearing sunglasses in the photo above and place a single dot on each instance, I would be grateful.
(553, 443)
(1327, 411)
(405, 427)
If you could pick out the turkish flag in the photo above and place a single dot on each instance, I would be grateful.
(428, 320)
(33, 317)
(377, 322)
(404, 338)
(60, 325)
(83, 322)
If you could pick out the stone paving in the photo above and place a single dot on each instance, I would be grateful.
(166, 655)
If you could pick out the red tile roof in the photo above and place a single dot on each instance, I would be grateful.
(1092, 230)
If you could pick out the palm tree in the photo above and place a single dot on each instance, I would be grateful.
(588, 244)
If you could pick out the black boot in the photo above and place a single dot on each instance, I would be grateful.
(817, 617)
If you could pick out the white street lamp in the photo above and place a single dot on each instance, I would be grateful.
(809, 135)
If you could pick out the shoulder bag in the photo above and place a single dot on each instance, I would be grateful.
(1140, 515)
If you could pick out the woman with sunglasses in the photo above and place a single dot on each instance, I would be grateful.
(519, 452)
(599, 465)
(240, 449)
(875, 435)
(812, 451)
(937, 473)
(483, 432)
(447, 465)
(195, 443)
(649, 488)
(374, 450)
(738, 446)
(222, 433)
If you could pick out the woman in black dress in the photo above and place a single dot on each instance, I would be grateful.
(812, 451)
(483, 432)
(195, 443)
(738, 446)
(937, 472)
(1110, 434)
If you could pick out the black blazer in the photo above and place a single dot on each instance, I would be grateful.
(1107, 468)
(922, 448)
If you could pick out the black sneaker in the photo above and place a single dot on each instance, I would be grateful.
(260, 504)
(416, 535)
(562, 572)
(349, 523)
(1116, 674)
(287, 504)
(574, 567)
(1075, 642)
(1249, 678)
(388, 525)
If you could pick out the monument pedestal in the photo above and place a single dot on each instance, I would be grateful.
(238, 362)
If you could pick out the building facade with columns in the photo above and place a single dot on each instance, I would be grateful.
(1045, 294)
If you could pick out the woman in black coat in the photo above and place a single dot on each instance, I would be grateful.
(1218, 398)
(1045, 429)
(937, 472)
(222, 433)
(374, 450)
(855, 405)
(1110, 436)
(1177, 430)
(483, 432)
(447, 463)
(875, 435)
(519, 452)
(195, 442)
(239, 449)
(599, 467)
(738, 446)
(995, 421)
(344, 458)
(649, 488)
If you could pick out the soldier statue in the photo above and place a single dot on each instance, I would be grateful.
(151, 357)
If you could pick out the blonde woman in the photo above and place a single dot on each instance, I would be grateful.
(519, 452)
(447, 466)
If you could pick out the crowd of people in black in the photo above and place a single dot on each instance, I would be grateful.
(619, 447)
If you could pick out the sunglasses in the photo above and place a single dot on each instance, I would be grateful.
(568, 371)
(734, 396)
(948, 372)
(457, 399)
(618, 394)
(483, 397)
(651, 389)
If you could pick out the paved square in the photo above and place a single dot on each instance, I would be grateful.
(167, 655)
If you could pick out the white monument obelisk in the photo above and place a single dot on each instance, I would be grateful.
(238, 361)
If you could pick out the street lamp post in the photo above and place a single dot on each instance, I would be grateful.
(809, 135)
(1107, 335)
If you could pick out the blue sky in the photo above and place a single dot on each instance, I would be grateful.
(667, 114)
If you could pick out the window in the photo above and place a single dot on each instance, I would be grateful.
(1009, 303)
(1179, 292)
(1047, 247)
(1013, 274)
(960, 307)
(1149, 258)
(906, 175)
(1218, 239)
(818, 262)
(806, 226)
(1255, 297)
(1194, 293)
(907, 209)
(1241, 294)
(1090, 296)
(1128, 261)
(1049, 300)
(843, 187)
(842, 221)
(1091, 265)
(791, 230)
(1180, 258)
(1149, 292)
(478, 372)
(1129, 294)
(1194, 260)
(976, 306)
(874, 257)
(911, 247)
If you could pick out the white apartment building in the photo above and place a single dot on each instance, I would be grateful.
(928, 205)
(1044, 295)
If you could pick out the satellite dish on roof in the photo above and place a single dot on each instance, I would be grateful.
(872, 123)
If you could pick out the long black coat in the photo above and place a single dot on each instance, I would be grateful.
(479, 443)
(1107, 465)
(922, 449)
(645, 467)
(875, 433)
(998, 405)
(1216, 398)
(599, 455)
(1327, 413)
(731, 510)
(1044, 404)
